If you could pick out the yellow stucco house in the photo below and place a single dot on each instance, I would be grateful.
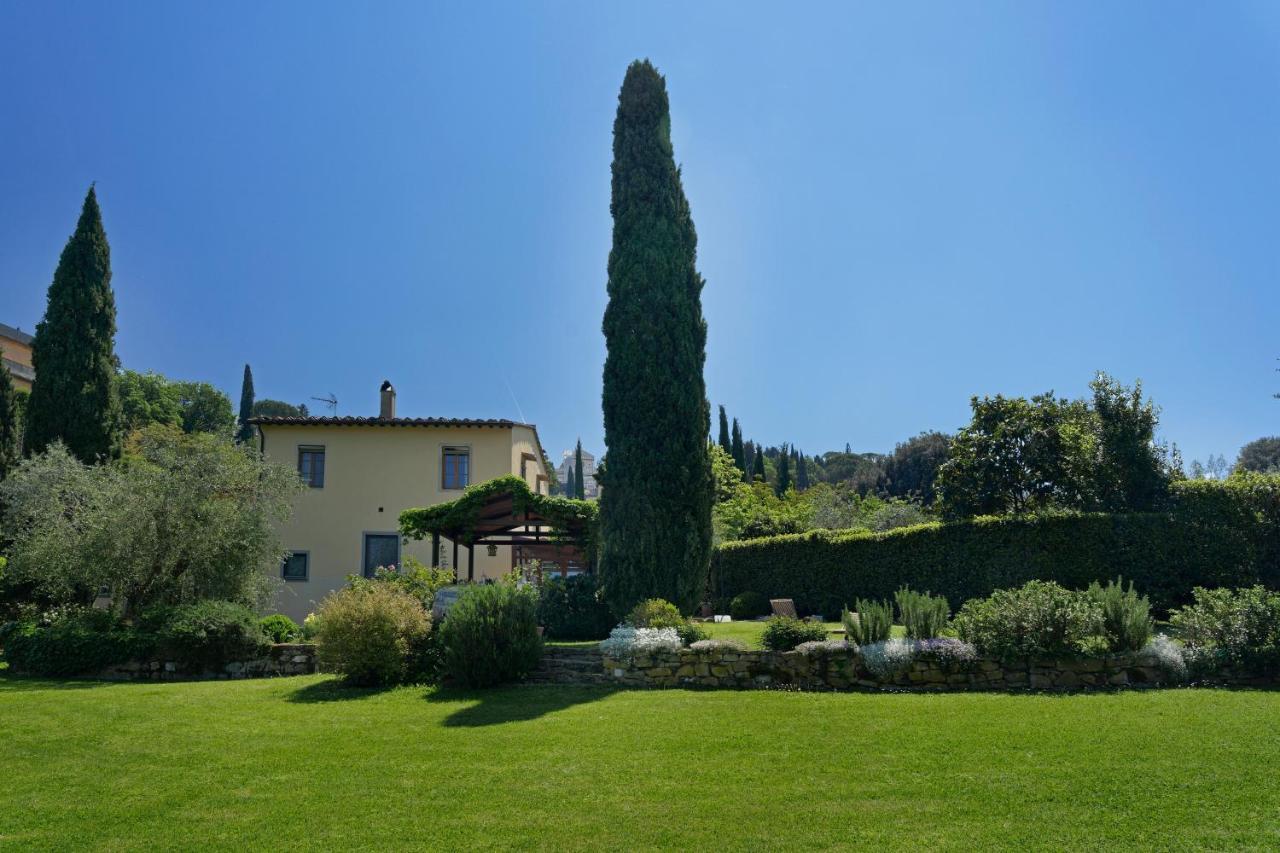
(361, 472)
(15, 350)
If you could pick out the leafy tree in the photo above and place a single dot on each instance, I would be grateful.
(1132, 472)
(912, 469)
(736, 448)
(655, 531)
(74, 398)
(579, 486)
(148, 398)
(726, 443)
(281, 409)
(205, 408)
(245, 433)
(10, 434)
(1020, 455)
(180, 519)
(553, 482)
(1261, 455)
(783, 482)
(753, 511)
(726, 475)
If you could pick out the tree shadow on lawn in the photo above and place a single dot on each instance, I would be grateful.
(513, 703)
(14, 683)
(334, 690)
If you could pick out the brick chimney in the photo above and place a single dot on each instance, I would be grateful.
(388, 409)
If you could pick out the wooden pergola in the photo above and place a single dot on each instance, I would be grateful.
(506, 512)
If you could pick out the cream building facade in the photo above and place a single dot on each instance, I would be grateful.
(361, 472)
(15, 350)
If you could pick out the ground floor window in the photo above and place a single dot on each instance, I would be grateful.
(380, 549)
(296, 566)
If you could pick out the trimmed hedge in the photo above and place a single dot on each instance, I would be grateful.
(1216, 534)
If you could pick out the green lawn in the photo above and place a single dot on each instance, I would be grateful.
(300, 763)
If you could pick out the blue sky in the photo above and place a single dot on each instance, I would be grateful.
(898, 205)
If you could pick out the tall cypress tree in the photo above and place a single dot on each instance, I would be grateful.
(784, 473)
(724, 440)
(9, 431)
(802, 471)
(74, 397)
(757, 469)
(579, 485)
(245, 433)
(737, 451)
(655, 530)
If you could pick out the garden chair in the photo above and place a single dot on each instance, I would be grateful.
(783, 607)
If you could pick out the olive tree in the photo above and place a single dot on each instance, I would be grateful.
(179, 518)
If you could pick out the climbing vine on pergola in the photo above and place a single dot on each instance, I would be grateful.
(505, 511)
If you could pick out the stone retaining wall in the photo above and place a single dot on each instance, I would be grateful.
(845, 670)
(280, 659)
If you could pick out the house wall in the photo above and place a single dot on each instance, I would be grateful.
(16, 355)
(372, 473)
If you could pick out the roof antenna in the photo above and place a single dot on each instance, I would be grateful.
(514, 400)
(330, 401)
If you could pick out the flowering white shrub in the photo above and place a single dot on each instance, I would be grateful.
(718, 645)
(818, 648)
(947, 651)
(1166, 654)
(625, 641)
(886, 659)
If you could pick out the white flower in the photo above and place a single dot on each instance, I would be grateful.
(886, 659)
(625, 641)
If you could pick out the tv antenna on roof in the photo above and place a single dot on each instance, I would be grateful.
(330, 401)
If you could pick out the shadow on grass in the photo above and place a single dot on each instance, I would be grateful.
(513, 704)
(13, 683)
(333, 690)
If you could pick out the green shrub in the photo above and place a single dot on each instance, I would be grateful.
(655, 613)
(80, 642)
(1215, 534)
(1039, 619)
(413, 576)
(372, 635)
(280, 628)
(573, 609)
(1126, 616)
(783, 633)
(208, 634)
(1240, 626)
(924, 616)
(691, 632)
(872, 623)
(491, 636)
(748, 605)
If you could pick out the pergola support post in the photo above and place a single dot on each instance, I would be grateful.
(471, 563)
(435, 550)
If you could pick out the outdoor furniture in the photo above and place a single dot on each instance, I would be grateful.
(783, 607)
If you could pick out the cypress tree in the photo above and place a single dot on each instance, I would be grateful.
(757, 469)
(569, 482)
(9, 432)
(74, 397)
(655, 529)
(737, 451)
(724, 440)
(579, 486)
(784, 473)
(802, 472)
(246, 407)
